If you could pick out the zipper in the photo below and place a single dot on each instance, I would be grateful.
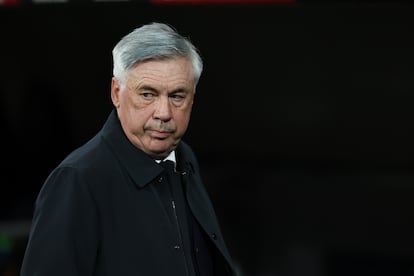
(180, 237)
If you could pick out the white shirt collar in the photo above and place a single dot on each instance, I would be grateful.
(170, 157)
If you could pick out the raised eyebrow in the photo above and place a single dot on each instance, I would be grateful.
(147, 88)
(153, 89)
(179, 90)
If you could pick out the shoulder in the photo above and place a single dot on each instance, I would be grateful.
(87, 165)
(93, 153)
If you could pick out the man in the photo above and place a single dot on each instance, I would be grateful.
(116, 206)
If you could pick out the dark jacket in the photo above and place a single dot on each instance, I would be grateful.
(99, 213)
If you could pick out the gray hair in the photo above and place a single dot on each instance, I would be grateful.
(154, 41)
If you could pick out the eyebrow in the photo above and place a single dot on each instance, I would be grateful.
(153, 89)
(178, 90)
(147, 87)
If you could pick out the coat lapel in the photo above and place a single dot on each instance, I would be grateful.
(201, 207)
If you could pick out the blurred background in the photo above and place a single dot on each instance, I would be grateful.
(302, 121)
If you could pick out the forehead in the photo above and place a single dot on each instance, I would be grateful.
(165, 70)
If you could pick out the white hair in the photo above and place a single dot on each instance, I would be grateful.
(154, 41)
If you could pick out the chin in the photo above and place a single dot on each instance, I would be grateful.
(159, 156)
(162, 151)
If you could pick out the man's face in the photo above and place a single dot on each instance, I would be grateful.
(154, 106)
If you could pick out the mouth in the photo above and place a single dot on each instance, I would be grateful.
(159, 134)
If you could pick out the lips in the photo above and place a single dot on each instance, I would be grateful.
(159, 134)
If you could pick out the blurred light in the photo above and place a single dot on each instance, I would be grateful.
(202, 2)
(6, 244)
(10, 2)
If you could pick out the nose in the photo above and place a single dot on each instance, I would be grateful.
(162, 109)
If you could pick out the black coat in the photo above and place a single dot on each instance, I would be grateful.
(98, 213)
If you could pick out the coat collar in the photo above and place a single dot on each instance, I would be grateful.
(141, 167)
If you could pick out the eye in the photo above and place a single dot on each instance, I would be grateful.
(147, 95)
(178, 98)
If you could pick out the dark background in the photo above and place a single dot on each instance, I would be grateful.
(302, 123)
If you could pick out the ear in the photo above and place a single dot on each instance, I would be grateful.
(115, 90)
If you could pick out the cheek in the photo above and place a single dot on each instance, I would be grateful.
(137, 119)
(182, 120)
